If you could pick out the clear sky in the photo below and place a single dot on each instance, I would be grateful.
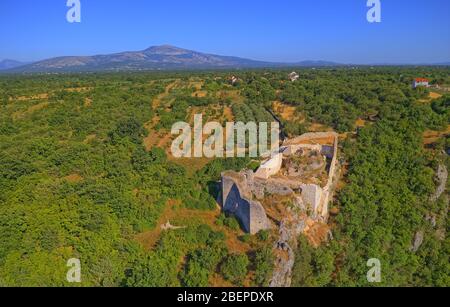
(411, 31)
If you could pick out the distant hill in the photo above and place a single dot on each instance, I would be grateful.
(8, 64)
(154, 58)
(443, 64)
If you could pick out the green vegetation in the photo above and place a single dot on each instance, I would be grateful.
(313, 267)
(264, 265)
(383, 206)
(228, 221)
(251, 113)
(159, 268)
(201, 265)
(263, 235)
(76, 180)
(235, 268)
(442, 106)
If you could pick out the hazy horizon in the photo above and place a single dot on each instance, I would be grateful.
(411, 32)
(294, 62)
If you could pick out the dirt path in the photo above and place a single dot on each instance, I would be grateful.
(432, 96)
(157, 101)
(34, 108)
(430, 137)
(153, 138)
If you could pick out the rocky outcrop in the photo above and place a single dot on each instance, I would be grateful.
(169, 226)
(442, 177)
(290, 228)
(418, 241)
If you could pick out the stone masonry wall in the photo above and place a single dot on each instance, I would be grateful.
(237, 200)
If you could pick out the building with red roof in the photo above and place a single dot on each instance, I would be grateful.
(421, 82)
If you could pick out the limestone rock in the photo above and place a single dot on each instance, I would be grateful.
(418, 241)
(442, 177)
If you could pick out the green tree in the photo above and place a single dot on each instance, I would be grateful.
(235, 268)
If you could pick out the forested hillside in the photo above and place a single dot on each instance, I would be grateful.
(86, 172)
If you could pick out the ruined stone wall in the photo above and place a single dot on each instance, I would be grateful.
(310, 136)
(258, 218)
(239, 189)
(319, 207)
(334, 163)
(270, 167)
(237, 201)
(312, 195)
(233, 202)
(328, 189)
(292, 149)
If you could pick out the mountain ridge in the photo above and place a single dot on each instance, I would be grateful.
(164, 57)
(10, 64)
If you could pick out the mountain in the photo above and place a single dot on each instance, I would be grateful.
(8, 64)
(164, 57)
(154, 58)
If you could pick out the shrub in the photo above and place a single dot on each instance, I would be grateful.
(235, 268)
(245, 238)
(263, 235)
(130, 128)
(264, 264)
(230, 222)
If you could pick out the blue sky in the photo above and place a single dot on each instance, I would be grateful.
(411, 31)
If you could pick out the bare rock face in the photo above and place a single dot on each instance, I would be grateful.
(418, 241)
(299, 203)
(290, 228)
(282, 275)
(442, 177)
(275, 188)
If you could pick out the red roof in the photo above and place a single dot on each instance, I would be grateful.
(422, 80)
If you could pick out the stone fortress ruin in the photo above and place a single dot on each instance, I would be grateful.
(304, 170)
(290, 192)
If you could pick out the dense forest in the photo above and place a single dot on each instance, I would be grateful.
(86, 172)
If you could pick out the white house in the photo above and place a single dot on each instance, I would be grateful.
(293, 76)
(234, 80)
(421, 82)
